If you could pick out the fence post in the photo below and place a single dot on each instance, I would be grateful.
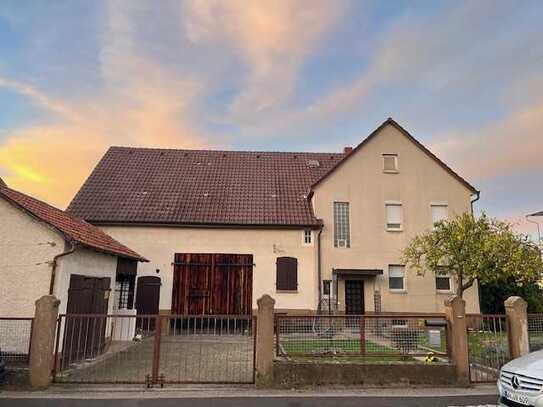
(455, 308)
(42, 341)
(264, 341)
(517, 317)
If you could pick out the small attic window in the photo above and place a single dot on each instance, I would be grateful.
(313, 163)
(390, 163)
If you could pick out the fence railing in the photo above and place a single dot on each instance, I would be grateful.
(488, 346)
(151, 349)
(387, 337)
(15, 334)
(535, 331)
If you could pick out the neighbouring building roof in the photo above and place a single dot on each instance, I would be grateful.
(73, 229)
(212, 188)
(537, 214)
(202, 187)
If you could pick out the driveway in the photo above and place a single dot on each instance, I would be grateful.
(211, 359)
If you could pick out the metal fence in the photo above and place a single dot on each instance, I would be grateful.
(15, 334)
(386, 337)
(155, 349)
(488, 346)
(535, 331)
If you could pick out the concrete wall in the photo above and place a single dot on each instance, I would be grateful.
(362, 182)
(26, 247)
(159, 244)
(289, 374)
(87, 263)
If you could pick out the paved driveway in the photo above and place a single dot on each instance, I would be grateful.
(198, 358)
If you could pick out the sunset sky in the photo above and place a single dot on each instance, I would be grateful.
(465, 78)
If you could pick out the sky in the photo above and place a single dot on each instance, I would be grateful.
(464, 77)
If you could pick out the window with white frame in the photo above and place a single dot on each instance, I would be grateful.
(393, 216)
(390, 163)
(308, 237)
(440, 211)
(443, 279)
(396, 277)
(342, 232)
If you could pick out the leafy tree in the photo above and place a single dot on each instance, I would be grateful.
(471, 249)
(493, 295)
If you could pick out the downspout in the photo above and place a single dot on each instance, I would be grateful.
(319, 265)
(55, 262)
(477, 197)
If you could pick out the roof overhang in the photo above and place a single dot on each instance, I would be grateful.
(357, 272)
(537, 214)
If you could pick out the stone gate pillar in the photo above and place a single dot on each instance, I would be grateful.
(264, 341)
(515, 308)
(455, 308)
(42, 345)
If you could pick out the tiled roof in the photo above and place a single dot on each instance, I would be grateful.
(202, 187)
(73, 229)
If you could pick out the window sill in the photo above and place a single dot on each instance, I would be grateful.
(393, 291)
(444, 292)
(286, 291)
(394, 230)
(391, 172)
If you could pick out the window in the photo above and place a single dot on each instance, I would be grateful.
(308, 234)
(396, 277)
(341, 225)
(443, 280)
(390, 163)
(287, 273)
(394, 216)
(440, 212)
(326, 287)
(124, 291)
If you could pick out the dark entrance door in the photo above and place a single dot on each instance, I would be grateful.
(354, 297)
(84, 338)
(147, 300)
(206, 283)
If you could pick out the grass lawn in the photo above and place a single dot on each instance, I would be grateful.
(310, 346)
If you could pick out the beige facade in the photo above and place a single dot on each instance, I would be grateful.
(362, 182)
(27, 249)
(159, 244)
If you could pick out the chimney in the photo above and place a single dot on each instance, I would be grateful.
(347, 150)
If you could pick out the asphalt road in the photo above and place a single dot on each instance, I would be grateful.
(446, 401)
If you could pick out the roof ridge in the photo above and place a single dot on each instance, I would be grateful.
(111, 148)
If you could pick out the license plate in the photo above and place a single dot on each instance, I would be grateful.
(518, 398)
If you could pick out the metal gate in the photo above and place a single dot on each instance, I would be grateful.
(155, 349)
(488, 346)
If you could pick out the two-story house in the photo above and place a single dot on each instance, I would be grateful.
(222, 228)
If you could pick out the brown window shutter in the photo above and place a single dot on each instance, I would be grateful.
(287, 273)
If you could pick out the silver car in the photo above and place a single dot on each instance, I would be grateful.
(521, 381)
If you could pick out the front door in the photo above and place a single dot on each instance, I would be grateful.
(147, 301)
(354, 297)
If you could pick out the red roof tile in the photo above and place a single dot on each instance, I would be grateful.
(73, 229)
(202, 187)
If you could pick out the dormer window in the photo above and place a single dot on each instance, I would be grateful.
(390, 163)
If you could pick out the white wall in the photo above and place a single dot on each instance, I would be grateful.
(158, 244)
(26, 248)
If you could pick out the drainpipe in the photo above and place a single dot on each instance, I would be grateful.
(477, 197)
(319, 265)
(54, 264)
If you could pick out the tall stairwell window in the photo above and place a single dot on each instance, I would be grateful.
(342, 233)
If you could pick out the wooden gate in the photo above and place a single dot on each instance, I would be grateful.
(90, 296)
(212, 284)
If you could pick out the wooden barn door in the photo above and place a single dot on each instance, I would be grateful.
(212, 284)
(89, 296)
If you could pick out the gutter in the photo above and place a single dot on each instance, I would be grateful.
(55, 263)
